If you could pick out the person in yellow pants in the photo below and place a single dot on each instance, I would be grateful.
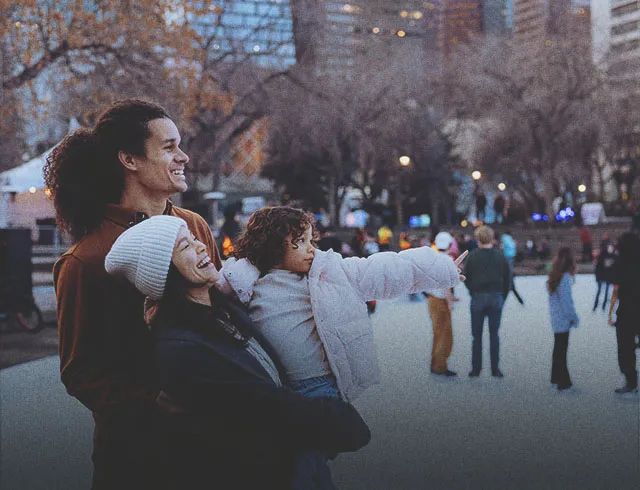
(440, 306)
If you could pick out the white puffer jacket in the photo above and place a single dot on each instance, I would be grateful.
(339, 288)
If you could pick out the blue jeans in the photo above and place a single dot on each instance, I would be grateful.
(485, 305)
(312, 471)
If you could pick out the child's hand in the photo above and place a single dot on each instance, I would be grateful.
(458, 261)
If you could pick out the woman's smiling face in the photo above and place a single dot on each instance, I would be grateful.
(191, 259)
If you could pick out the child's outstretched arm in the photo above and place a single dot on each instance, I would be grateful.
(389, 274)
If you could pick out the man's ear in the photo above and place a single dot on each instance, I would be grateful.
(127, 160)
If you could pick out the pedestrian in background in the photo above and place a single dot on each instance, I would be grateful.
(498, 206)
(626, 296)
(440, 302)
(604, 269)
(463, 246)
(357, 242)
(370, 246)
(384, 237)
(103, 181)
(563, 314)
(471, 242)
(510, 249)
(587, 245)
(488, 279)
(481, 205)
(531, 248)
(329, 240)
(544, 250)
(405, 240)
(229, 232)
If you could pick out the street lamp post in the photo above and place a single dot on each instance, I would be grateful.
(476, 175)
(404, 161)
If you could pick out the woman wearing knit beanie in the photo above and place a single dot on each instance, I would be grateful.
(233, 423)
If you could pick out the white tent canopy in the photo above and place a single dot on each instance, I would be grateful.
(24, 177)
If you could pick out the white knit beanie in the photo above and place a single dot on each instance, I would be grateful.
(143, 253)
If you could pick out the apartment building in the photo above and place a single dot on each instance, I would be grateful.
(624, 40)
(259, 29)
(360, 28)
(537, 21)
(463, 19)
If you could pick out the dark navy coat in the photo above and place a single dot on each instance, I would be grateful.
(239, 430)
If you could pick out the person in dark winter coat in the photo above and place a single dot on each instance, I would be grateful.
(481, 205)
(604, 269)
(488, 278)
(229, 422)
(626, 296)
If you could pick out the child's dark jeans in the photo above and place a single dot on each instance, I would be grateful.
(312, 471)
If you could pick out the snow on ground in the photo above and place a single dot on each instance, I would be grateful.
(487, 433)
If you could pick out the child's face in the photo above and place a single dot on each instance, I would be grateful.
(298, 259)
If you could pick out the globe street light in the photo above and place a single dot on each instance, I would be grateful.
(582, 188)
(404, 160)
(476, 175)
(502, 186)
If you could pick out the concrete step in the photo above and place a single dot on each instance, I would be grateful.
(42, 278)
(43, 263)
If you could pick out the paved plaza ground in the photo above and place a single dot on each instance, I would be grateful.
(427, 432)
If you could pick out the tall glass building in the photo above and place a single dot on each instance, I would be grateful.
(259, 30)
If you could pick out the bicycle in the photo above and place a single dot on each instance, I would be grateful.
(18, 308)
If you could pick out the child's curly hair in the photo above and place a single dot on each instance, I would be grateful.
(263, 241)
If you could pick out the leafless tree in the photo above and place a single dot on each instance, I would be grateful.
(537, 112)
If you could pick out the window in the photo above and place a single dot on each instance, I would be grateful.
(624, 28)
(626, 46)
(625, 9)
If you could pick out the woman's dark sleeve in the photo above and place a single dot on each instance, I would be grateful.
(211, 385)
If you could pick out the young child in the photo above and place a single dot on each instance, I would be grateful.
(310, 305)
(563, 314)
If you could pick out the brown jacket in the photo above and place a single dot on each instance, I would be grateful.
(106, 356)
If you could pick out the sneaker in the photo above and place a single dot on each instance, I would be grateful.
(564, 387)
(474, 374)
(626, 389)
(446, 373)
(496, 373)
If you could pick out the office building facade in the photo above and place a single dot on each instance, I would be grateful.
(624, 40)
(259, 30)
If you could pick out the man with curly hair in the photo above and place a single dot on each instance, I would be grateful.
(104, 180)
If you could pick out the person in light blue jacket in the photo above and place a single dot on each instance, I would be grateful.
(563, 314)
